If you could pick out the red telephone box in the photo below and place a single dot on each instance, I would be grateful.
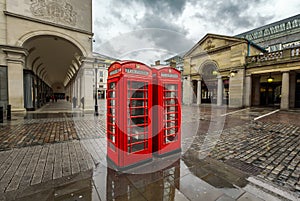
(167, 97)
(129, 97)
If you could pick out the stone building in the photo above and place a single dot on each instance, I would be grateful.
(45, 49)
(237, 72)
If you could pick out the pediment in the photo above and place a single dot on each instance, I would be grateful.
(211, 42)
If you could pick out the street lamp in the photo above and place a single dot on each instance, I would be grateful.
(232, 73)
(96, 90)
(270, 79)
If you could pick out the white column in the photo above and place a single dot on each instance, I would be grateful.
(88, 73)
(248, 90)
(285, 91)
(73, 89)
(76, 91)
(199, 92)
(220, 91)
(15, 65)
(187, 91)
(292, 89)
(28, 91)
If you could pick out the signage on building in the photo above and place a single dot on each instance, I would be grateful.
(291, 44)
(272, 30)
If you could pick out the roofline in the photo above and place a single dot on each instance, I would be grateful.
(217, 35)
(269, 25)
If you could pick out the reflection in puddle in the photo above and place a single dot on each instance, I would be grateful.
(182, 180)
(77, 187)
(159, 185)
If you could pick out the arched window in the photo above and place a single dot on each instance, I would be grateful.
(209, 71)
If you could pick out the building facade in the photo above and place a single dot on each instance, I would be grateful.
(237, 72)
(43, 46)
(276, 36)
(103, 62)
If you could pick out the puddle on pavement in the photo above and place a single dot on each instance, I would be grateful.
(205, 179)
(181, 180)
(48, 115)
(76, 187)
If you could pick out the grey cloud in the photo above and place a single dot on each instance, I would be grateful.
(160, 39)
(230, 14)
(164, 7)
(154, 21)
(176, 7)
(157, 25)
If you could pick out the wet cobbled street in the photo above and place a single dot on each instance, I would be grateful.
(59, 153)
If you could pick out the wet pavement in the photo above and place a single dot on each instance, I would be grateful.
(59, 153)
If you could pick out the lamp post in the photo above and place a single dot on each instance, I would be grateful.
(96, 91)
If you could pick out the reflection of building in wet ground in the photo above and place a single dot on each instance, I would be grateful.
(267, 150)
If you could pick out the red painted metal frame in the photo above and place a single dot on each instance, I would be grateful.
(129, 130)
(167, 127)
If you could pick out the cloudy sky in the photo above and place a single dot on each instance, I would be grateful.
(149, 30)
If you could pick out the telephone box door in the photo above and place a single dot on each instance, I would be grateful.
(168, 139)
(129, 99)
(139, 131)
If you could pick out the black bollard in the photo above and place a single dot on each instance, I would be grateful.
(8, 112)
(1, 114)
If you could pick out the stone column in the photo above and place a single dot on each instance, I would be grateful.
(220, 91)
(88, 73)
(82, 89)
(199, 92)
(236, 89)
(292, 89)
(256, 86)
(73, 88)
(28, 101)
(248, 90)
(187, 91)
(15, 58)
(285, 91)
(78, 91)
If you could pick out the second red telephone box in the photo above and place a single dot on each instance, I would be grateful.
(167, 98)
(129, 97)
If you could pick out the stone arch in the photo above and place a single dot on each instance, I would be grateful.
(208, 70)
(208, 64)
(29, 35)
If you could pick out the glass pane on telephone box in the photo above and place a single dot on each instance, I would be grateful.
(171, 112)
(137, 116)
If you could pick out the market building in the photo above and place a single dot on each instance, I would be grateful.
(45, 50)
(240, 72)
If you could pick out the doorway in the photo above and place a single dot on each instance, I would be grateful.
(3, 86)
(270, 94)
(209, 91)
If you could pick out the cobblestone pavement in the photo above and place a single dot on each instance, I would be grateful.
(36, 133)
(268, 147)
(46, 146)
